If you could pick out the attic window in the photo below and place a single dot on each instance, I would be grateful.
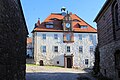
(83, 27)
(54, 19)
(75, 20)
(49, 25)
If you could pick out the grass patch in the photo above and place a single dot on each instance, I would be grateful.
(31, 65)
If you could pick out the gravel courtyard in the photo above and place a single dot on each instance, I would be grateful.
(55, 73)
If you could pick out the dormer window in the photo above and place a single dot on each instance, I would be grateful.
(76, 20)
(49, 25)
(83, 27)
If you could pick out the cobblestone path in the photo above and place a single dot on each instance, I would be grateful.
(54, 73)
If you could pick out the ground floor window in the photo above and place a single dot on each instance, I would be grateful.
(86, 61)
(57, 62)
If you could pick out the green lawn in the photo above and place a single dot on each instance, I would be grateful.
(31, 65)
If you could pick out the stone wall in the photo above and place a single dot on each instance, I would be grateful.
(108, 40)
(13, 33)
(107, 60)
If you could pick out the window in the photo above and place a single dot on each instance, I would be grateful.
(91, 48)
(83, 27)
(80, 37)
(43, 36)
(68, 37)
(68, 48)
(57, 62)
(55, 36)
(81, 49)
(86, 61)
(55, 48)
(91, 37)
(43, 48)
(49, 25)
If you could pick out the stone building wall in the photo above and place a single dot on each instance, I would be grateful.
(51, 57)
(13, 33)
(108, 39)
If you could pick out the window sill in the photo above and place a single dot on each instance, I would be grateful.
(68, 41)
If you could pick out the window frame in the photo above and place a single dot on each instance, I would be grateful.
(68, 48)
(44, 36)
(83, 27)
(91, 37)
(55, 36)
(80, 37)
(81, 49)
(91, 49)
(86, 61)
(68, 37)
(43, 49)
(55, 48)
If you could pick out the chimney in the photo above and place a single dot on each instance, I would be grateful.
(70, 13)
(38, 23)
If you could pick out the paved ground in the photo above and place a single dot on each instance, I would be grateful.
(55, 73)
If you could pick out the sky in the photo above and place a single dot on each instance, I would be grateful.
(85, 9)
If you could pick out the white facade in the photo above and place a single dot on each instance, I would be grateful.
(50, 57)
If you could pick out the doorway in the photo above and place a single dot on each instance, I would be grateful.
(69, 63)
(41, 63)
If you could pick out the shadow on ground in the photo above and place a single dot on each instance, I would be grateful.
(57, 76)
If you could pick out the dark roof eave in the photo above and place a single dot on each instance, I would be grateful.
(65, 31)
(100, 12)
(23, 17)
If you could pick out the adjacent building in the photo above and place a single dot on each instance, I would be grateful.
(13, 33)
(108, 25)
(64, 39)
(29, 48)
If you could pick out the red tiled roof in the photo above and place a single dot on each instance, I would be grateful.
(58, 26)
(29, 40)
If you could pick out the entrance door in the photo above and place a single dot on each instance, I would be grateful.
(69, 63)
(41, 63)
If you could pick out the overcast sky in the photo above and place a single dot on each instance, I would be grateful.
(85, 9)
